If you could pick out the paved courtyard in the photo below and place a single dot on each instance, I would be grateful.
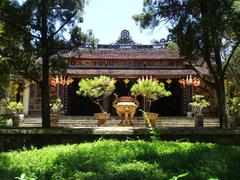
(89, 121)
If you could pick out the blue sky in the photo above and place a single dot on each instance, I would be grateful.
(108, 17)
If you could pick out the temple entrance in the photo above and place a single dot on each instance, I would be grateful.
(123, 89)
(172, 105)
(79, 105)
(166, 106)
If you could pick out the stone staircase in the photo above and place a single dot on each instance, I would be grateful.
(89, 121)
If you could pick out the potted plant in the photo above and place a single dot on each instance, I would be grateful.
(15, 108)
(233, 109)
(97, 88)
(198, 104)
(55, 107)
(151, 90)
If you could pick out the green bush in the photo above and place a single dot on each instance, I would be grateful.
(199, 103)
(96, 89)
(123, 160)
(56, 105)
(3, 120)
(15, 107)
(150, 89)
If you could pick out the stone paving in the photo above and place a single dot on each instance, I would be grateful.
(89, 121)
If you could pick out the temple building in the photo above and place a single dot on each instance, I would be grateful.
(126, 61)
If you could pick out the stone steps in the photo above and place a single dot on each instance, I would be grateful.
(70, 122)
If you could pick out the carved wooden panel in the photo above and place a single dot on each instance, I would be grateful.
(126, 63)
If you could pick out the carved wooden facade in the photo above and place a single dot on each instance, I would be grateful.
(125, 59)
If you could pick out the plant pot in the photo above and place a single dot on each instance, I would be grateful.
(199, 120)
(101, 117)
(152, 117)
(16, 120)
(54, 119)
(126, 99)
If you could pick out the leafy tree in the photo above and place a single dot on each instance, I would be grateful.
(4, 67)
(150, 89)
(233, 72)
(207, 30)
(35, 31)
(4, 78)
(199, 103)
(96, 89)
(79, 38)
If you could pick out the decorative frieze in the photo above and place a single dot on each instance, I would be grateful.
(125, 63)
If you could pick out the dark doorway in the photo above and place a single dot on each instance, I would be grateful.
(122, 89)
(79, 105)
(172, 105)
(166, 106)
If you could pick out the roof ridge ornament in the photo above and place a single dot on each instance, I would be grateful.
(125, 38)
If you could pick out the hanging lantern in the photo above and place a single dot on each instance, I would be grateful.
(126, 81)
(169, 81)
(189, 81)
(156, 80)
(62, 80)
(196, 82)
(180, 81)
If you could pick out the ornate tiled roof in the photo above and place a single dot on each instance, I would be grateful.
(129, 73)
(122, 54)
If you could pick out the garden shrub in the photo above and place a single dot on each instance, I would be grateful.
(112, 159)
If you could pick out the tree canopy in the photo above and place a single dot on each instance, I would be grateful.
(33, 30)
(96, 89)
(206, 30)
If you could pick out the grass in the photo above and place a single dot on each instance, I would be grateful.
(112, 159)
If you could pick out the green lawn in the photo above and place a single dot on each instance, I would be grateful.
(111, 159)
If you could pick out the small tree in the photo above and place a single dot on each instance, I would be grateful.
(203, 30)
(56, 105)
(150, 89)
(199, 103)
(96, 89)
(15, 107)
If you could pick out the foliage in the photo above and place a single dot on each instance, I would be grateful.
(15, 107)
(234, 105)
(4, 78)
(233, 72)
(56, 105)
(25, 177)
(3, 119)
(154, 135)
(150, 88)
(79, 38)
(179, 176)
(199, 103)
(34, 30)
(173, 47)
(233, 110)
(123, 160)
(96, 88)
(233, 99)
(203, 30)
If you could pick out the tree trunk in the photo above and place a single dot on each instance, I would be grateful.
(45, 68)
(220, 88)
(97, 103)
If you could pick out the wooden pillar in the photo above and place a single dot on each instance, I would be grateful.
(188, 99)
(65, 100)
(26, 100)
